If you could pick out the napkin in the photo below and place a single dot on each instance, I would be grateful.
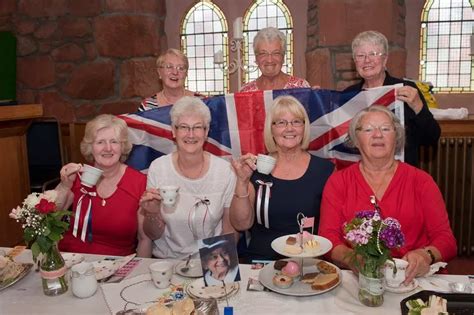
(450, 113)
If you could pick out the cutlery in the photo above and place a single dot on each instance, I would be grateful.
(186, 266)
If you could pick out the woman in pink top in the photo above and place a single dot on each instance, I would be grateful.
(269, 46)
(402, 191)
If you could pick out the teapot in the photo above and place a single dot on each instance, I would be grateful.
(84, 282)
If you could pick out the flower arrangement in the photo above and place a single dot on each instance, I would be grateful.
(42, 225)
(372, 239)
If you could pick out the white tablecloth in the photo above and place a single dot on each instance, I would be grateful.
(26, 297)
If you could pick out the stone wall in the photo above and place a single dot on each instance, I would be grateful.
(333, 24)
(83, 58)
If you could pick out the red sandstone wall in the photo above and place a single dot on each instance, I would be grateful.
(85, 57)
(333, 24)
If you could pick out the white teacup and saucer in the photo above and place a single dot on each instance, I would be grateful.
(394, 280)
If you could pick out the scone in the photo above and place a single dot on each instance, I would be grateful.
(291, 240)
(325, 281)
(326, 268)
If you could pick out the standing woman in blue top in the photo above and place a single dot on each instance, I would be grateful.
(295, 184)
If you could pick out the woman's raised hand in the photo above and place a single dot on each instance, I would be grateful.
(68, 174)
(151, 200)
(410, 96)
(244, 166)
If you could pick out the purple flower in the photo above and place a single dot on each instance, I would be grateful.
(365, 214)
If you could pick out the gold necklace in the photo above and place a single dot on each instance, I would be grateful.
(182, 172)
(376, 189)
(167, 99)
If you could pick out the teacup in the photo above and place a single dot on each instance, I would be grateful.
(90, 176)
(161, 273)
(265, 164)
(394, 280)
(84, 283)
(169, 195)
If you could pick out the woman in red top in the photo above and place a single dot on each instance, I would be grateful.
(402, 191)
(111, 227)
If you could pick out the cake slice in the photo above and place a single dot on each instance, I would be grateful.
(310, 277)
(325, 281)
(324, 267)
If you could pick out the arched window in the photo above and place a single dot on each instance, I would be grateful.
(203, 32)
(261, 14)
(445, 60)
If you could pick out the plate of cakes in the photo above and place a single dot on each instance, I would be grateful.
(301, 245)
(285, 277)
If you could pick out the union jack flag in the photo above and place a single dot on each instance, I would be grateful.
(237, 122)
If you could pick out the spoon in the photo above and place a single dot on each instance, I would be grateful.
(186, 266)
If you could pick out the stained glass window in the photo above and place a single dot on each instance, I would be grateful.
(204, 32)
(261, 14)
(445, 60)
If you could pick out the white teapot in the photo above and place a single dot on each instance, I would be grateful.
(84, 282)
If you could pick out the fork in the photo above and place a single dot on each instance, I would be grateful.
(186, 266)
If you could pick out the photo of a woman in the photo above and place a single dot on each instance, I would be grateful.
(219, 260)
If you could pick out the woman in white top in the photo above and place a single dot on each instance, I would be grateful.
(206, 186)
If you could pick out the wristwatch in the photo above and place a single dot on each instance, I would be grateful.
(432, 256)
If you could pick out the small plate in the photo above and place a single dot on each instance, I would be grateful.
(403, 288)
(26, 267)
(197, 289)
(325, 246)
(195, 268)
(72, 259)
(105, 268)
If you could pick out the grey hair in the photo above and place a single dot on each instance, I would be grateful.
(190, 105)
(100, 122)
(285, 104)
(269, 34)
(371, 37)
(351, 140)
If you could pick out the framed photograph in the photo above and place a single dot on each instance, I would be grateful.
(219, 259)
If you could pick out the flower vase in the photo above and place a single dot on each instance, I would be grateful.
(371, 289)
(53, 272)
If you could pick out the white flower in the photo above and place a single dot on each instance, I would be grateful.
(16, 213)
(32, 200)
(50, 195)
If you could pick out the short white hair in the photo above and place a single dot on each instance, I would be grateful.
(190, 105)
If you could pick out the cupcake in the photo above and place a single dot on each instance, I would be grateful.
(282, 281)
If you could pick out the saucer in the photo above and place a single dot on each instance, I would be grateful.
(72, 259)
(402, 288)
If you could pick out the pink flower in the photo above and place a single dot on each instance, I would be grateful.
(45, 206)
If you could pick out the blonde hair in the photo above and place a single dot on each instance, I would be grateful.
(105, 121)
(174, 52)
(285, 104)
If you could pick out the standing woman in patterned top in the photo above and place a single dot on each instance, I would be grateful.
(269, 46)
(172, 68)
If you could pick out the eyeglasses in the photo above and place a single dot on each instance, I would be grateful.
(281, 123)
(170, 68)
(369, 129)
(273, 54)
(194, 129)
(372, 55)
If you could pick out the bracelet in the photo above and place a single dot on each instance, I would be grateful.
(432, 256)
(241, 196)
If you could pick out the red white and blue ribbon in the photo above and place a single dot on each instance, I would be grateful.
(87, 223)
(263, 189)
